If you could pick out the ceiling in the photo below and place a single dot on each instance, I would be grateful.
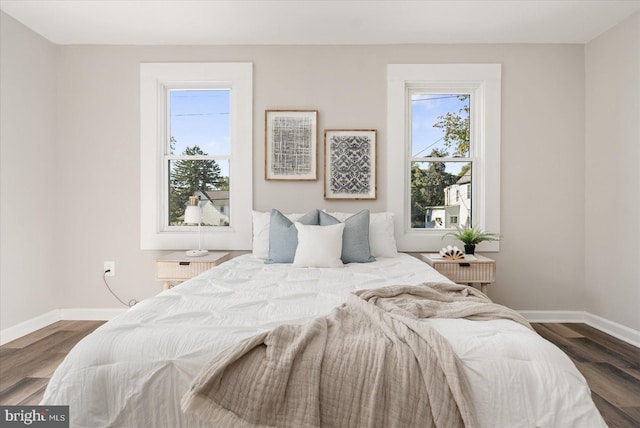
(187, 22)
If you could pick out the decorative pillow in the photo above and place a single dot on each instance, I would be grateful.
(283, 236)
(261, 234)
(382, 235)
(261, 221)
(355, 238)
(319, 246)
(382, 240)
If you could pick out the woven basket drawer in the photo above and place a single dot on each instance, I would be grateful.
(181, 270)
(473, 273)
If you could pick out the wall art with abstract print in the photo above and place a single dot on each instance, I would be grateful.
(350, 164)
(291, 151)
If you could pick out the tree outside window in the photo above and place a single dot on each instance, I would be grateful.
(199, 118)
(441, 128)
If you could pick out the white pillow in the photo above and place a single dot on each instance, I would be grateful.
(261, 234)
(319, 246)
(261, 221)
(382, 238)
(382, 235)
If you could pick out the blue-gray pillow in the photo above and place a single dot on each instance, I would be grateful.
(283, 236)
(355, 238)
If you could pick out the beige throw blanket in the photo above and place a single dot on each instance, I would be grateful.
(369, 363)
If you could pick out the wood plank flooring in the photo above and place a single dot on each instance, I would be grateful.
(27, 363)
(611, 367)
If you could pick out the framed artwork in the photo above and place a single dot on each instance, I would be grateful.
(291, 144)
(350, 164)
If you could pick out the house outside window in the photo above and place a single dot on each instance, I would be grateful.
(444, 141)
(441, 156)
(196, 154)
(196, 140)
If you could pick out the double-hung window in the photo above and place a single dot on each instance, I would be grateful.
(196, 140)
(443, 151)
(196, 154)
(441, 158)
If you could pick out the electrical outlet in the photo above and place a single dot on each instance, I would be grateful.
(111, 268)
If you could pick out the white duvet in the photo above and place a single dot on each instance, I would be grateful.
(133, 371)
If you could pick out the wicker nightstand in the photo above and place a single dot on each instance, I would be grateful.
(476, 270)
(176, 267)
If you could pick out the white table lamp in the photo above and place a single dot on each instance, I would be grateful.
(193, 215)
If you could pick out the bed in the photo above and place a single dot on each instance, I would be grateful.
(134, 370)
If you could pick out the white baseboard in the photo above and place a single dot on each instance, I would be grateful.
(616, 330)
(619, 331)
(29, 326)
(90, 314)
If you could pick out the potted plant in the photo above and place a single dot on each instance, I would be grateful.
(472, 236)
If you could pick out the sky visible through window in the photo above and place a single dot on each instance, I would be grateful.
(440, 129)
(426, 109)
(201, 117)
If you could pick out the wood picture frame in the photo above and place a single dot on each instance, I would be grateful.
(350, 164)
(291, 145)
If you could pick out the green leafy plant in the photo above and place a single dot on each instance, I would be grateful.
(473, 235)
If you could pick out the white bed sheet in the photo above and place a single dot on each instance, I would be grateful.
(133, 371)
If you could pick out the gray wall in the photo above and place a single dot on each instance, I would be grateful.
(542, 153)
(612, 209)
(28, 284)
(541, 265)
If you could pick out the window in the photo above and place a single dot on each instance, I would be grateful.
(196, 139)
(196, 154)
(440, 161)
(444, 141)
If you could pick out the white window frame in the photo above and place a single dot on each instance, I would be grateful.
(155, 81)
(483, 82)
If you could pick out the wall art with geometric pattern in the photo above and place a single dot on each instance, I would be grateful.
(350, 164)
(291, 147)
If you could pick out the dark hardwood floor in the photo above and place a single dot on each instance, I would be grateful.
(611, 367)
